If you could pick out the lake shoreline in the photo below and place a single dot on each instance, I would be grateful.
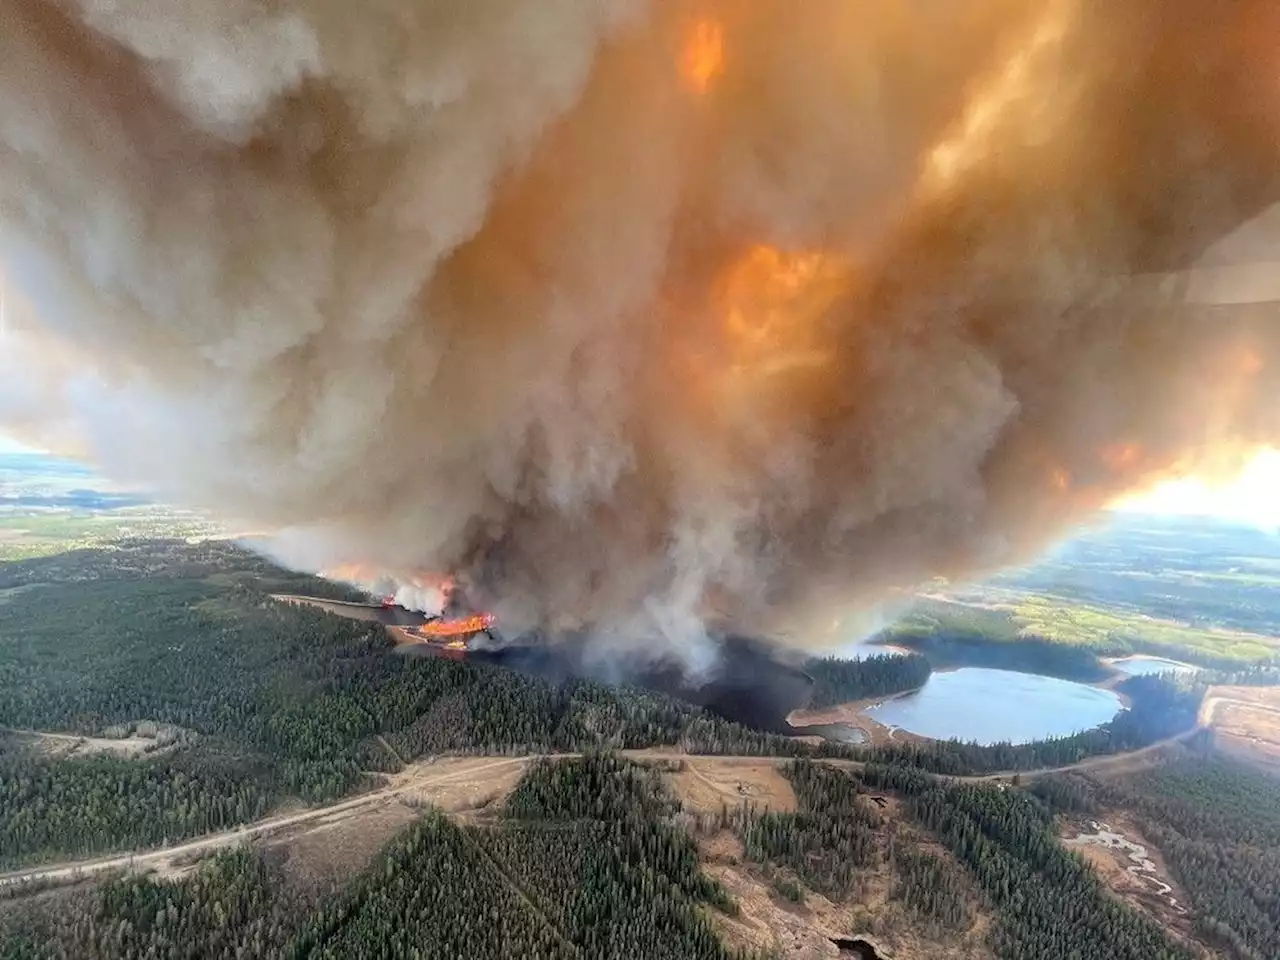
(851, 715)
(1020, 697)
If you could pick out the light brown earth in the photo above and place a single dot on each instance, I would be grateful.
(852, 715)
(1246, 723)
(706, 784)
(770, 924)
(446, 781)
(324, 856)
(766, 921)
(1114, 865)
(463, 784)
(353, 611)
(62, 745)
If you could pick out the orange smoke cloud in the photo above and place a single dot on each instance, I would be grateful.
(703, 58)
(625, 313)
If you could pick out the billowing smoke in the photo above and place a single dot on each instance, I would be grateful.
(634, 313)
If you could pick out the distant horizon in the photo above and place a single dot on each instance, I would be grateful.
(10, 445)
(1248, 499)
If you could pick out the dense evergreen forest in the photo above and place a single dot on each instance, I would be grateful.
(593, 857)
(586, 861)
(953, 648)
(1049, 904)
(235, 907)
(1217, 823)
(828, 840)
(844, 681)
(270, 700)
(96, 804)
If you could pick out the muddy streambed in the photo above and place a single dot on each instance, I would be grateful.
(1140, 864)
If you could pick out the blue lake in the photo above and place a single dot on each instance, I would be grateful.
(991, 706)
(1139, 666)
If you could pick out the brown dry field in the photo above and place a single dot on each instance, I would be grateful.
(707, 784)
(768, 923)
(332, 853)
(1246, 724)
(352, 611)
(473, 784)
(1263, 696)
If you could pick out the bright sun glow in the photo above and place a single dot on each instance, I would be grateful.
(1253, 497)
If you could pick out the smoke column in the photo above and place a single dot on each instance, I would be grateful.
(634, 314)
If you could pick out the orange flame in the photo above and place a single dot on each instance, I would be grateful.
(458, 627)
(1121, 457)
(703, 58)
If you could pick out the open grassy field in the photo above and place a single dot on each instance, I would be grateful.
(49, 505)
(1195, 589)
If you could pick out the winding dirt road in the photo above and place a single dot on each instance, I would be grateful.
(417, 778)
(425, 775)
(420, 776)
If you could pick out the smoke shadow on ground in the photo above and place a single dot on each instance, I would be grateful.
(749, 682)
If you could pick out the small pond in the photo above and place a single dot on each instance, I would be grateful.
(839, 732)
(990, 706)
(1139, 666)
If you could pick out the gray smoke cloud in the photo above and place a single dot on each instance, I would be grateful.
(638, 314)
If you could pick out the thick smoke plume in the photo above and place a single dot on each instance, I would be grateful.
(633, 313)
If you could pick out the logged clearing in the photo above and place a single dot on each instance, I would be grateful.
(64, 745)
(708, 784)
(772, 925)
(332, 853)
(352, 611)
(1260, 696)
(1246, 723)
(903, 934)
(461, 784)
(767, 923)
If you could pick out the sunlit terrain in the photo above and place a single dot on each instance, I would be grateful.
(48, 505)
(1250, 497)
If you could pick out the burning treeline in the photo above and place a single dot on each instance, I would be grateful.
(632, 313)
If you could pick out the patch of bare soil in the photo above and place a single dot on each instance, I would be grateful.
(461, 784)
(353, 611)
(852, 715)
(771, 924)
(1246, 723)
(1132, 867)
(62, 745)
(705, 785)
(1262, 696)
(401, 636)
(328, 855)
(902, 934)
(767, 923)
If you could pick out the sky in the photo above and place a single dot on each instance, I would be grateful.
(9, 445)
(1253, 497)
